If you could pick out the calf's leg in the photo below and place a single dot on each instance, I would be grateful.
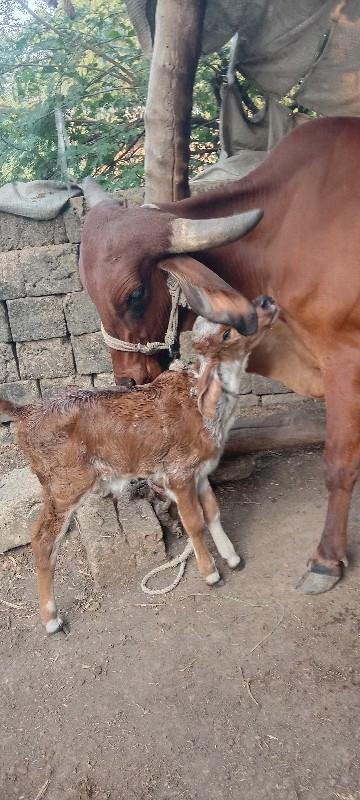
(192, 518)
(46, 536)
(211, 513)
(342, 467)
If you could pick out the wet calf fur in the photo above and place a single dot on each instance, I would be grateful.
(173, 431)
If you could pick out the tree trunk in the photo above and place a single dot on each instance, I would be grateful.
(168, 109)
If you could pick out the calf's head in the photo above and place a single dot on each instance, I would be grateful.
(218, 345)
(122, 268)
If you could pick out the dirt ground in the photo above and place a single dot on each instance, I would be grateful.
(183, 696)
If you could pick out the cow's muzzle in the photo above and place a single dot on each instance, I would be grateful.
(246, 325)
(127, 383)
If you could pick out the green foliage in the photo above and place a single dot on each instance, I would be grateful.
(210, 76)
(92, 68)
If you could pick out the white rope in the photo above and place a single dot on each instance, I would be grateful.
(177, 298)
(181, 559)
(119, 344)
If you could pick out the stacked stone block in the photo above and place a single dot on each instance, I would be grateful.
(49, 328)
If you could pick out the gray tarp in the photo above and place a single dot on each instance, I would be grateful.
(311, 47)
(244, 144)
(333, 86)
(36, 199)
(279, 42)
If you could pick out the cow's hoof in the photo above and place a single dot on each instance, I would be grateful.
(319, 578)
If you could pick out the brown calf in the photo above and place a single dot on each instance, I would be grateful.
(172, 431)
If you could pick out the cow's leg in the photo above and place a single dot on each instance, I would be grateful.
(192, 518)
(211, 513)
(342, 467)
(45, 539)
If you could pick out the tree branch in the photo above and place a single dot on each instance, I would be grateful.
(110, 89)
(197, 121)
(123, 71)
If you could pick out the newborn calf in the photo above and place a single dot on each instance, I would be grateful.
(172, 431)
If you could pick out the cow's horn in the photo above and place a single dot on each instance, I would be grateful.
(93, 192)
(190, 235)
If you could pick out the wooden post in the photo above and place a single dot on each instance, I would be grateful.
(168, 109)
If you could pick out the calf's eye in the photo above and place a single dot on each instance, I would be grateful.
(226, 334)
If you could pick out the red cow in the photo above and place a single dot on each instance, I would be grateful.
(305, 253)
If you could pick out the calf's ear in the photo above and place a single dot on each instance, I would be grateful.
(209, 391)
(210, 296)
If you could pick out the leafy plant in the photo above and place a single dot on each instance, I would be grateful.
(91, 69)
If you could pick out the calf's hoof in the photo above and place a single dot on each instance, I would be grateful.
(54, 625)
(234, 561)
(319, 578)
(213, 578)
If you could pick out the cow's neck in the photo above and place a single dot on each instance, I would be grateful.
(247, 275)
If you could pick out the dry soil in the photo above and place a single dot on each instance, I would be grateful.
(248, 690)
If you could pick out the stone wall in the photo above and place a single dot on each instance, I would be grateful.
(49, 329)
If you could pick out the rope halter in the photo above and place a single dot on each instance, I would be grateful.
(177, 299)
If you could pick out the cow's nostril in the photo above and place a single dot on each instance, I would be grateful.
(128, 383)
(265, 302)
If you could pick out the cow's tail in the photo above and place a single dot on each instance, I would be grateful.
(12, 410)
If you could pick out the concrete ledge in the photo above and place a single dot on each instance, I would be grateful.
(115, 543)
(233, 469)
(118, 543)
(20, 503)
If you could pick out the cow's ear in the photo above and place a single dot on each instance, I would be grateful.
(209, 391)
(209, 296)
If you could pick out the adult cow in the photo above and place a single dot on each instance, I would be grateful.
(305, 252)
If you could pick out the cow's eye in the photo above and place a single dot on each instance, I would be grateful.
(136, 296)
(227, 334)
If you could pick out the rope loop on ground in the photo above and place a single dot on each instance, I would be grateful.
(181, 559)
